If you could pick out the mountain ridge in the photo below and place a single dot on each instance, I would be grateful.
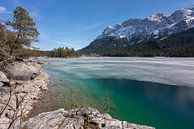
(158, 25)
(176, 45)
(117, 41)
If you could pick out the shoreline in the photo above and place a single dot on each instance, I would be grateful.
(30, 92)
(80, 118)
(51, 115)
(20, 97)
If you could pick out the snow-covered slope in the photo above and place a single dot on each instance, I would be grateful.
(154, 26)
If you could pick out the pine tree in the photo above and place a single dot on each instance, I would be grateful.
(25, 28)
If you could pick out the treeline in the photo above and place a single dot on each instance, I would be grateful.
(60, 52)
(64, 52)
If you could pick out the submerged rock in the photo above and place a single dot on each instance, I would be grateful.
(78, 119)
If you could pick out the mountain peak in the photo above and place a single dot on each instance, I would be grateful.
(157, 18)
(110, 27)
(158, 25)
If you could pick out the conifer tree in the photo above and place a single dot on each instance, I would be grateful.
(25, 29)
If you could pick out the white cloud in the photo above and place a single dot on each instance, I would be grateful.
(61, 43)
(2, 9)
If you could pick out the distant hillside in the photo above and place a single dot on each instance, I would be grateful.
(176, 45)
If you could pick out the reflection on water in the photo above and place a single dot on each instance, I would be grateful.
(155, 104)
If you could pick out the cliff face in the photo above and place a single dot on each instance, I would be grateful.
(84, 118)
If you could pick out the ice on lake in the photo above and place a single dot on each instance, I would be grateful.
(173, 71)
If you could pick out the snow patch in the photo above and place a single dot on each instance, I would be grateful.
(163, 38)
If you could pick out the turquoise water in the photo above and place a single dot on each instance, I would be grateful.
(163, 106)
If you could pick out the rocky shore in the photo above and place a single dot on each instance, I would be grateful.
(84, 118)
(21, 85)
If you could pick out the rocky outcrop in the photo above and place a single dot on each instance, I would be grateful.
(20, 70)
(18, 100)
(84, 118)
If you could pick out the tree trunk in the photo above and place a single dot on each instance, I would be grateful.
(14, 45)
(11, 51)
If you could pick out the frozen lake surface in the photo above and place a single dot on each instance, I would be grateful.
(173, 71)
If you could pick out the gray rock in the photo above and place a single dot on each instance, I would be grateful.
(3, 77)
(22, 71)
(29, 90)
(42, 63)
(78, 119)
(1, 84)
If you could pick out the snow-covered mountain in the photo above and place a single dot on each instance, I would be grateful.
(155, 26)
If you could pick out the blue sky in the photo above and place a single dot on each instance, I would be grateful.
(75, 23)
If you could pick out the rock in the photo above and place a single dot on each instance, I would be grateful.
(1, 84)
(29, 90)
(42, 63)
(19, 70)
(49, 120)
(35, 61)
(3, 79)
(78, 119)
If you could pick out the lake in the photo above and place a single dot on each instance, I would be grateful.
(157, 92)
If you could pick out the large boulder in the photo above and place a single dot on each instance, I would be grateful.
(3, 79)
(19, 70)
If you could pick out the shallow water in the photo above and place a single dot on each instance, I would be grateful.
(141, 90)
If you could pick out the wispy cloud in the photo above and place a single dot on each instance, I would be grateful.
(36, 15)
(62, 43)
(3, 9)
(75, 37)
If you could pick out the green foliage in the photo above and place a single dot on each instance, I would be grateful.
(25, 29)
(2, 35)
(64, 53)
(2, 41)
(6, 38)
